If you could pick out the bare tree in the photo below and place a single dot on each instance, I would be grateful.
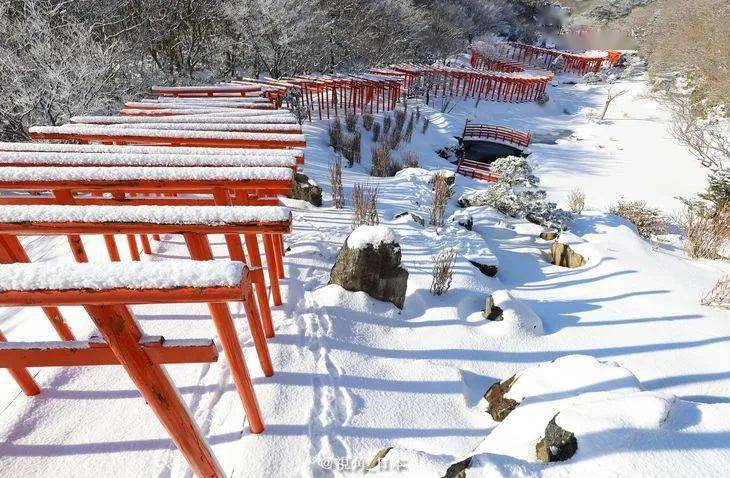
(611, 95)
(704, 137)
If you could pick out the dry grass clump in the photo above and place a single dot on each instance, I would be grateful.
(387, 123)
(367, 122)
(648, 221)
(409, 128)
(719, 295)
(410, 159)
(443, 271)
(400, 119)
(384, 164)
(441, 195)
(350, 122)
(576, 201)
(338, 192)
(376, 132)
(336, 135)
(364, 205)
(395, 138)
(706, 229)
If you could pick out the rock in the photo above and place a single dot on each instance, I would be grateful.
(306, 189)
(376, 459)
(557, 444)
(549, 235)
(458, 469)
(563, 255)
(542, 99)
(499, 406)
(488, 270)
(492, 312)
(464, 219)
(370, 262)
(416, 218)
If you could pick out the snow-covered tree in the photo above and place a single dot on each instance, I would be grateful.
(516, 194)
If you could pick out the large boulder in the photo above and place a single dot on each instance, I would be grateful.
(306, 189)
(557, 444)
(370, 262)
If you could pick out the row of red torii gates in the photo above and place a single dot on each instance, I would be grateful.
(507, 73)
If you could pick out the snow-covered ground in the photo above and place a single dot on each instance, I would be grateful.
(355, 375)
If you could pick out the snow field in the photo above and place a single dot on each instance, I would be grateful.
(642, 381)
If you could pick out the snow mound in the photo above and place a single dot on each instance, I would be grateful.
(517, 318)
(618, 427)
(364, 236)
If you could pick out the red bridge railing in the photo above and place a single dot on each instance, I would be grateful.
(487, 132)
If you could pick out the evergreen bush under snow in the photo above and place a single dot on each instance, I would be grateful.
(516, 194)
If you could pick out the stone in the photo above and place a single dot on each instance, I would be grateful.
(492, 312)
(464, 219)
(488, 270)
(499, 405)
(458, 469)
(306, 189)
(563, 255)
(557, 444)
(373, 270)
(549, 235)
(415, 217)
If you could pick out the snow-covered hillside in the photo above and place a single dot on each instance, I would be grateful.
(650, 395)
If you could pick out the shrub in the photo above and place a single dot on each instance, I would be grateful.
(719, 295)
(443, 271)
(400, 119)
(376, 132)
(718, 190)
(441, 195)
(516, 194)
(357, 146)
(364, 205)
(394, 166)
(367, 122)
(706, 229)
(350, 122)
(387, 123)
(576, 201)
(338, 193)
(410, 159)
(425, 125)
(336, 135)
(648, 221)
(409, 128)
(395, 138)
(380, 159)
